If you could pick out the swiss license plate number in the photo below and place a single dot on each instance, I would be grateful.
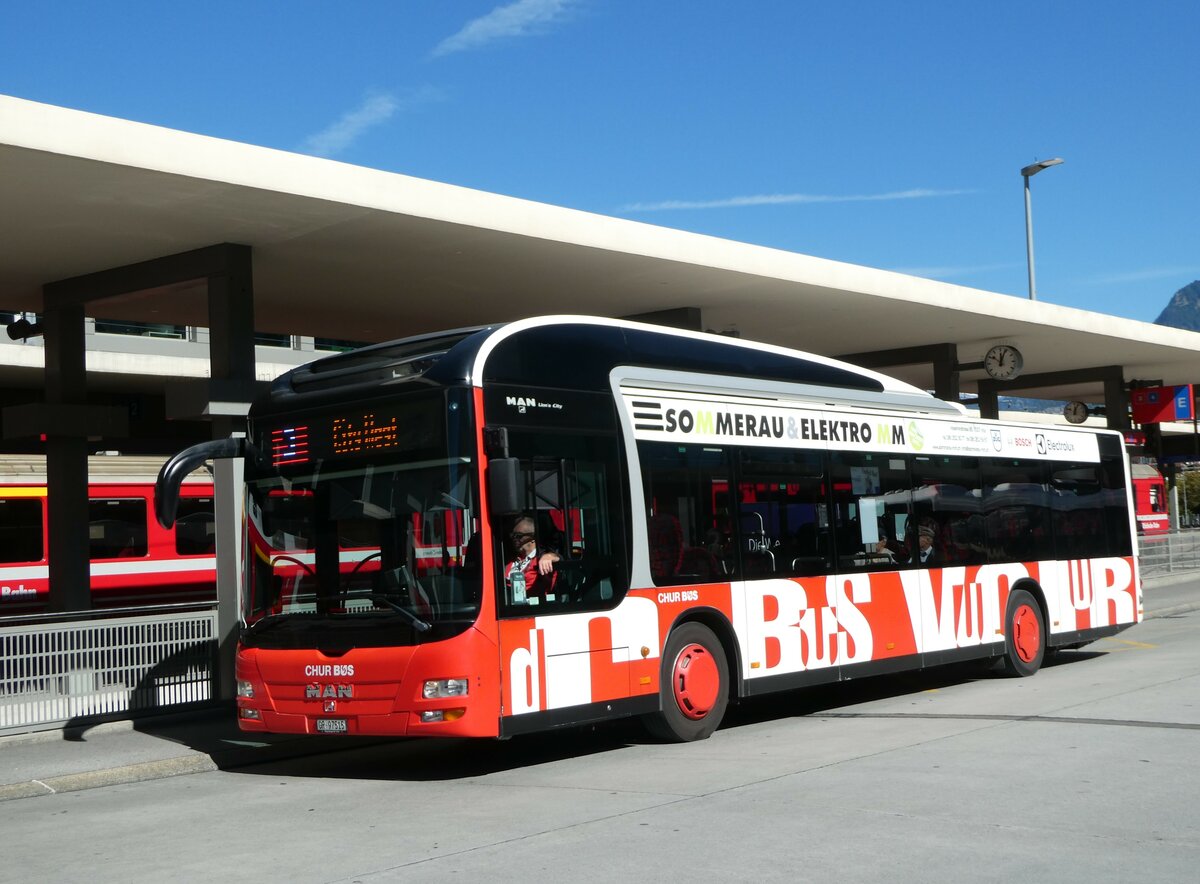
(331, 725)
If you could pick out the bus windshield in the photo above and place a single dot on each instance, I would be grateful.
(371, 549)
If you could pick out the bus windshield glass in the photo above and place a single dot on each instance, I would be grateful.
(365, 537)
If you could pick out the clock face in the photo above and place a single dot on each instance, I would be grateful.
(1003, 362)
(1075, 412)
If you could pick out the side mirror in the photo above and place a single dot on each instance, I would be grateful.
(504, 486)
(175, 470)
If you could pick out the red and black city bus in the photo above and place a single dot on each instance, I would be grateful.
(727, 519)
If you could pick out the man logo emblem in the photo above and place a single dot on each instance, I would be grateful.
(331, 705)
(997, 443)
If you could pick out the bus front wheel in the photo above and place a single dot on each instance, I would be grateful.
(1024, 634)
(693, 684)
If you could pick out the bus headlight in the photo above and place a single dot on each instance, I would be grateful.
(445, 687)
(245, 688)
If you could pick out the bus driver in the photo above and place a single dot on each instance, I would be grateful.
(529, 574)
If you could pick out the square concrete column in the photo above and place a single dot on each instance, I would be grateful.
(66, 461)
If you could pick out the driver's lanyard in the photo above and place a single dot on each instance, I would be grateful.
(519, 566)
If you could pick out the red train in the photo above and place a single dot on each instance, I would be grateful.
(134, 561)
(1149, 500)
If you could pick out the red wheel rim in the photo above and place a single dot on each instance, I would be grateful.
(1027, 637)
(696, 681)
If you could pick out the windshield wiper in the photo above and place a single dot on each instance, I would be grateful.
(417, 623)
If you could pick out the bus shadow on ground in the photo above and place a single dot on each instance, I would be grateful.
(432, 760)
(825, 698)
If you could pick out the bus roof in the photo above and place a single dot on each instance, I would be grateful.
(539, 350)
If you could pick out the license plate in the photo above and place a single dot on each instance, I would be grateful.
(331, 725)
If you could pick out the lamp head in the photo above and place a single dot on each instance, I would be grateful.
(22, 329)
(1031, 170)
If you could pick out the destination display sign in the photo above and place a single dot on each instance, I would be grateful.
(663, 418)
(356, 432)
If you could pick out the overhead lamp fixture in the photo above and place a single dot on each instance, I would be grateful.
(1027, 173)
(1031, 170)
(22, 329)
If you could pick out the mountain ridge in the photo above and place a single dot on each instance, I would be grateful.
(1183, 310)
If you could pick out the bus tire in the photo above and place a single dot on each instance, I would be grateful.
(693, 686)
(1024, 635)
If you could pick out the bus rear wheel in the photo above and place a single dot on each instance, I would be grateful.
(1024, 635)
(693, 686)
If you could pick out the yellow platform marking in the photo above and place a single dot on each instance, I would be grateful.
(1131, 644)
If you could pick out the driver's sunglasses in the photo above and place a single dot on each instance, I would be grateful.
(521, 535)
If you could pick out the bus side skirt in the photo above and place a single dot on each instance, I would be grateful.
(571, 716)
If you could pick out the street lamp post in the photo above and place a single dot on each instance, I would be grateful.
(1027, 173)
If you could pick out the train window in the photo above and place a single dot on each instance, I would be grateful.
(21, 530)
(195, 527)
(117, 528)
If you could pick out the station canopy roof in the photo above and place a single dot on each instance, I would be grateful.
(347, 252)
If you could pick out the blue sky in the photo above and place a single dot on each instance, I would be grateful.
(889, 134)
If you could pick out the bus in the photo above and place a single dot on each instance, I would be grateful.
(133, 561)
(726, 519)
(1150, 500)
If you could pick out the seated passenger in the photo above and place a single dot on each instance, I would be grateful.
(926, 534)
(666, 545)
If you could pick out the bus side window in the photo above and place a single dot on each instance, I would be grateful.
(1017, 510)
(572, 497)
(784, 513)
(1090, 512)
(947, 499)
(21, 529)
(874, 529)
(1116, 504)
(689, 530)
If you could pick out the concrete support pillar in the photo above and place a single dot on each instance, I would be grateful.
(989, 400)
(66, 461)
(231, 359)
(946, 374)
(942, 357)
(1116, 402)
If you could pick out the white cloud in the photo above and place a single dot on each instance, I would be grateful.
(376, 109)
(337, 137)
(777, 199)
(518, 19)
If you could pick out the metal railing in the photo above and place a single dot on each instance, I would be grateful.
(69, 669)
(1167, 553)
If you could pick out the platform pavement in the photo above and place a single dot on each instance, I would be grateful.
(109, 754)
